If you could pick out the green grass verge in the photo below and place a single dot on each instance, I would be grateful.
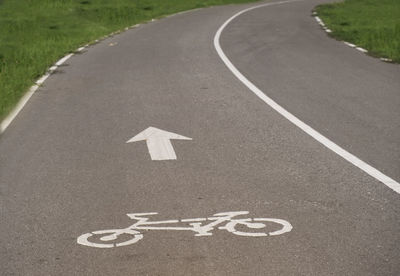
(371, 24)
(34, 34)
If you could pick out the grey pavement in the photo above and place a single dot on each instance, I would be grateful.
(66, 169)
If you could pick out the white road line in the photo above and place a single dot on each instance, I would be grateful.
(42, 79)
(7, 121)
(386, 59)
(345, 42)
(349, 44)
(64, 59)
(320, 21)
(391, 183)
(193, 220)
(22, 102)
(361, 49)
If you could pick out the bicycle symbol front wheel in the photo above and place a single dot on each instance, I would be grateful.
(101, 238)
(257, 223)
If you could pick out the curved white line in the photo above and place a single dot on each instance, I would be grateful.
(391, 183)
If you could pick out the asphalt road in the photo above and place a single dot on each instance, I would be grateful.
(66, 169)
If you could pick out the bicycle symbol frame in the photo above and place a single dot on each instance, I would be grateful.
(195, 224)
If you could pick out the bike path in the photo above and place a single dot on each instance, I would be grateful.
(66, 169)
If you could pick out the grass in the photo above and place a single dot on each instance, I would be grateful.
(36, 33)
(371, 24)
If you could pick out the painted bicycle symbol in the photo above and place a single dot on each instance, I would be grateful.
(201, 226)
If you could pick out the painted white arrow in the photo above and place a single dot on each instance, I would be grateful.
(158, 142)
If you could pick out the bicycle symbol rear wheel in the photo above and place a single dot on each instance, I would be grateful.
(100, 238)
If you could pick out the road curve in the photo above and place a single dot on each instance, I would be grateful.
(66, 169)
(349, 98)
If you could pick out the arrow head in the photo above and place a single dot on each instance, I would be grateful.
(158, 134)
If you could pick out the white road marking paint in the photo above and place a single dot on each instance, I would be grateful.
(45, 76)
(7, 121)
(158, 142)
(193, 220)
(389, 182)
(361, 49)
(386, 59)
(345, 42)
(349, 44)
(42, 79)
(319, 21)
(64, 59)
(227, 219)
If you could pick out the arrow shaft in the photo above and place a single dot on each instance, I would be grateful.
(160, 149)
